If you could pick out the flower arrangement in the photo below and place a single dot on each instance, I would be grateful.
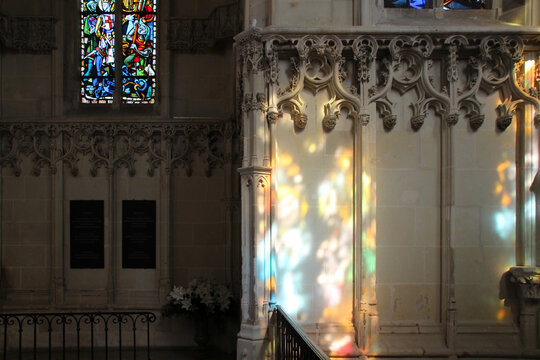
(201, 297)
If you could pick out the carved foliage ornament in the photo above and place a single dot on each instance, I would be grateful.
(110, 146)
(33, 34)
(401, 63)
(197, 35)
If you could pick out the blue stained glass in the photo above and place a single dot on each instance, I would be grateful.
(139, 51)
(414, 4)
(98, 45)
(138, 89)
(464, 4)
(97, 5)
(98, 51)
(418, 4)
(98, 90)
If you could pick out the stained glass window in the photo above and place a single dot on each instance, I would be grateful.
(414, 4)
(447, 4)
(97, 51)
(464, 4)
(100, 58)
(138, 50)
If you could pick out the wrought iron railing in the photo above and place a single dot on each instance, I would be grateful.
(100, 334)
(291, 343)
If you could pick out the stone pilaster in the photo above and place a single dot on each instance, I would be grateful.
(255, 204)
(256, 237)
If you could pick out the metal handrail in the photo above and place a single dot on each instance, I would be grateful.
(65, 322)
(291, 342)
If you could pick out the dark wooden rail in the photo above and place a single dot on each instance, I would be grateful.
(59, 329)
(291, 343)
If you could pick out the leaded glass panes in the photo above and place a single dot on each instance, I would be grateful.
(100, 58)
(465, 4)
(97, 51)
(414, 4)
(138, 50)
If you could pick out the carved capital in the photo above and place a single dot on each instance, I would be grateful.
(329, 122)
(260, 103)
(272, 116)
(252, 50)
(506, 112)
(476, 121)
(417, 121)
(389, 121)
(300, 120)
(452, 119)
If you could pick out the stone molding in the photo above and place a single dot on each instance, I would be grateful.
(520, 288)
(115, 144)
(527, 281)
(359, 71)
(199, 35)
(28, 33)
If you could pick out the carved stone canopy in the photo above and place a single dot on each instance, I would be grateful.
(446, 73)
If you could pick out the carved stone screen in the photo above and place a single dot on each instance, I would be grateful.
(86, 234)
(139, 234)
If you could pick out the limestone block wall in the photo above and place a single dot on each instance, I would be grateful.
(204, 84)
(180, 152)
(408, 220)
(313, 217)
(193, 214)
(26, 238)
(396, 169)
(26, 86)
(313, 13)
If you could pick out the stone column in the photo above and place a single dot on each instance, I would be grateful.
(523, 294)
(255, 201)
(535, 188)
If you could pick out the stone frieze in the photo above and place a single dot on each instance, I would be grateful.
(445, 72)
(27, 33)
(113, 145)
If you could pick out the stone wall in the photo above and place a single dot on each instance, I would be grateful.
(186, 163)
(387, 210)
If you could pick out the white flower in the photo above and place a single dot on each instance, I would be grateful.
(186, 303)
(177, 294)
(201, 295)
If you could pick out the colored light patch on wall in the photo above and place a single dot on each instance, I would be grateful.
(313, 222)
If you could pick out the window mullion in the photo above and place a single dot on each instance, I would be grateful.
(118, 55)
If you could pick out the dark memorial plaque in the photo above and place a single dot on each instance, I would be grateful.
(86, 234)
(139, 234)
